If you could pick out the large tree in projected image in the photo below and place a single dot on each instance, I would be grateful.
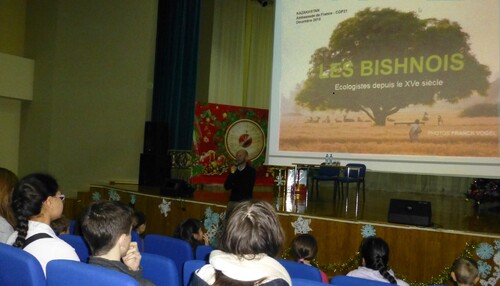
(375, 35)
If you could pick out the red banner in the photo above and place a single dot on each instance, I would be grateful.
(219, 132)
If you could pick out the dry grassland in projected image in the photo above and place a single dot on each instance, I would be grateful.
(469, 137)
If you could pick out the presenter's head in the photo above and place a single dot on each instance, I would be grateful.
(241, 157)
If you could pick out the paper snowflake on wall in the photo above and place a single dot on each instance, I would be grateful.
(213, 225)
(496, 258)
(301, 225)
(485, 251)
(484, 268)
(133, 199)
(279, 179)
(368, 230)
(490, 282)
(497, 244)
(113, 195)
(96, 196)
(164, 207)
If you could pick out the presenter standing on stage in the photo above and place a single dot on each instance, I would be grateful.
(240, 181)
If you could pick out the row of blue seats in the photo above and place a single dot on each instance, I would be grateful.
(182, 255)
(302, 275)
(165, 261)
(18, 267)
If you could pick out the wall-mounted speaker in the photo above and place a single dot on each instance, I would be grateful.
(410, 212)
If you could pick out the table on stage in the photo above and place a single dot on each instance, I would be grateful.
(345, 171)
(305, 166)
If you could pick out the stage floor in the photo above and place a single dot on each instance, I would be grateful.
(451, 212)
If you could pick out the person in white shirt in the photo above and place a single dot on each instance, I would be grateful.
(374, 258)
(415, 131)
(36, 202)
(8, 181)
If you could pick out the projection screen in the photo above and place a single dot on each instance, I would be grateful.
(402, 86)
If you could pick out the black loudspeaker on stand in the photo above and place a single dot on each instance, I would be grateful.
(410, 212)
(155, 162)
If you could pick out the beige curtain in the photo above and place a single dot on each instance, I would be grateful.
(241, 60)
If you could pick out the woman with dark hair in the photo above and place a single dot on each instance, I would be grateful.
(8, 181)
(251, 239)
(36, 202)
(304, 249)
(374, 258)
(190, 230)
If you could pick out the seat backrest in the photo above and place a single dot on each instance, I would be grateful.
(341, 280)
(359, 172)
(160, 270)
(74, 273)
(300, 270)
(306, 282)
(176, 249)
(331, 171)
(79, 244)
(72, 226)
(18, 267)
(203, 252)
(189, 268)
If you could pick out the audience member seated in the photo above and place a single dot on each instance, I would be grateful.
(251, 239)
(190, 230)
(107, 226)
(60, 225)
(464, 272)
(139, 228)
(37, 202)
(8, 181)
(139, 222)
(374, 258)
(304, 249)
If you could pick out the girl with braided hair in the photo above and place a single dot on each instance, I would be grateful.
(36, 202)
(374, 258)
(304, 249)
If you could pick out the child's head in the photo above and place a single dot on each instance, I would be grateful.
(190, 230)
(60, 225)
(8, 181)
(105, 224)
(139, 222)
(304, 247)
(464, 271)
(252, 228)
(375, 255)
(35, 195)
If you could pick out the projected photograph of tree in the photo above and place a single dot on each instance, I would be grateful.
(389, 81)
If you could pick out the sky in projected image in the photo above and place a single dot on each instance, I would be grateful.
(360, 89)
(299, 41)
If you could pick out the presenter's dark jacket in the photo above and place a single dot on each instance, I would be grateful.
(241, 184)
